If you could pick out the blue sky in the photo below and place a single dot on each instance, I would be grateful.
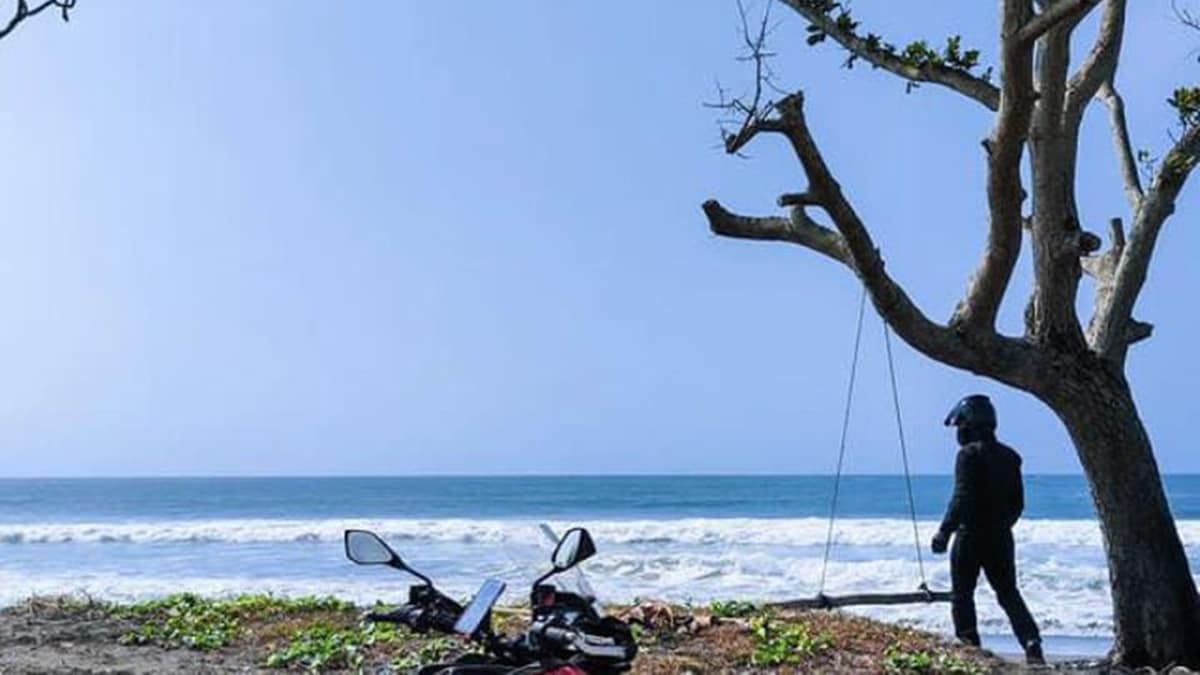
(394, 237)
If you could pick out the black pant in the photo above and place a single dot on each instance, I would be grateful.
(993, 552)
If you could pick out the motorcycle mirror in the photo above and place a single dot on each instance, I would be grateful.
(367, 548)
(575, 546)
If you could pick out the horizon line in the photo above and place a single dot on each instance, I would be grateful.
(200, 476)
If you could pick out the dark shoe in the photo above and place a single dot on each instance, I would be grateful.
(1033, 654)
(970, 638)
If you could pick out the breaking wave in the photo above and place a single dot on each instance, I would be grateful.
(1061, 562)
(796, 532)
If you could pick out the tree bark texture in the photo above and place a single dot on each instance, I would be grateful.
(1156, 612)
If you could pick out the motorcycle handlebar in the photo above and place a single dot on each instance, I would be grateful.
(587, 645)
(409, 615)
(418, 618)
(562, 636)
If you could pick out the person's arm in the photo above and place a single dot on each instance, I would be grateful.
(962, 502)
(1018, 497)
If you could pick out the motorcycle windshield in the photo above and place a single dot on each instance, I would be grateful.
(529, 559)
(572, 580)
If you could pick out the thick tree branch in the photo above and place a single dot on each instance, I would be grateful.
(24, 11)
(1051, 317)
(1100, 65)
(977, 312)
(947, 76)
(1123, 145)
(1111, 337)
(799, 229)
(1009, 360)
(1060, 12)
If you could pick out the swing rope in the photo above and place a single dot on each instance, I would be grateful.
(912, 502)
(837, 477)
(837, 480)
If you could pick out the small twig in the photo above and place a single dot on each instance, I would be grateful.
(24, 12)
(1185, 16)
(749, 116)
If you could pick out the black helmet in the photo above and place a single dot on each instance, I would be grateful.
(974, 411)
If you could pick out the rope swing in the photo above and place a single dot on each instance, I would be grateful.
(923, 594)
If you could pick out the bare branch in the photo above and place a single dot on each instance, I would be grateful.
(1185, 16)
(1060, 12)
(1100, 65)
(956, 79)
(1058, 241)
(1111, 334)
(1004, 358)
(25, 12)
(755, 113)
(1124, 147)
(799, 229)
(977, 312)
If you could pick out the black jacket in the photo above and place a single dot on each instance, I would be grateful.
(988, 494)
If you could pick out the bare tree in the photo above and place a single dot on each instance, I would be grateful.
(1079, 372)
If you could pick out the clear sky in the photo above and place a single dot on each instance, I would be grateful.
(465, 237)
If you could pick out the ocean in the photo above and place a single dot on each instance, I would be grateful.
(687, 539)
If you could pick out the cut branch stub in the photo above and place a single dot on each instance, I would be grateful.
(799, 199)
(1103, 269)
(799, 229)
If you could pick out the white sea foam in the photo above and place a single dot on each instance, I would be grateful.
(1061, 562)
(881, 532)
(1069, 602)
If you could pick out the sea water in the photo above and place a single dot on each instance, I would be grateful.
(686, 539)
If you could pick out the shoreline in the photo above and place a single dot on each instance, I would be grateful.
(1061, 647)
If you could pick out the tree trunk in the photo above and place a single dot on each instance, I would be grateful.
(1156, 612)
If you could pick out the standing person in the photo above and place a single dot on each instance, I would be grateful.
(988, 499)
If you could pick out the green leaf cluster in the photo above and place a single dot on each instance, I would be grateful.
(1186, 102)
(183, 620)
(189, 620)
(778, 643)
(430, 651)
(917, 54)
(726, 609)
(321, 646)
(898, 661)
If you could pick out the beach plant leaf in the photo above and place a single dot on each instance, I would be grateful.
(321, 646)
(777, 643)
(728, 609)
(899, 661)
(192, 621)
(430, 651)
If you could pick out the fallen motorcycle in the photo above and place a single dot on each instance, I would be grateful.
(566, 634)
